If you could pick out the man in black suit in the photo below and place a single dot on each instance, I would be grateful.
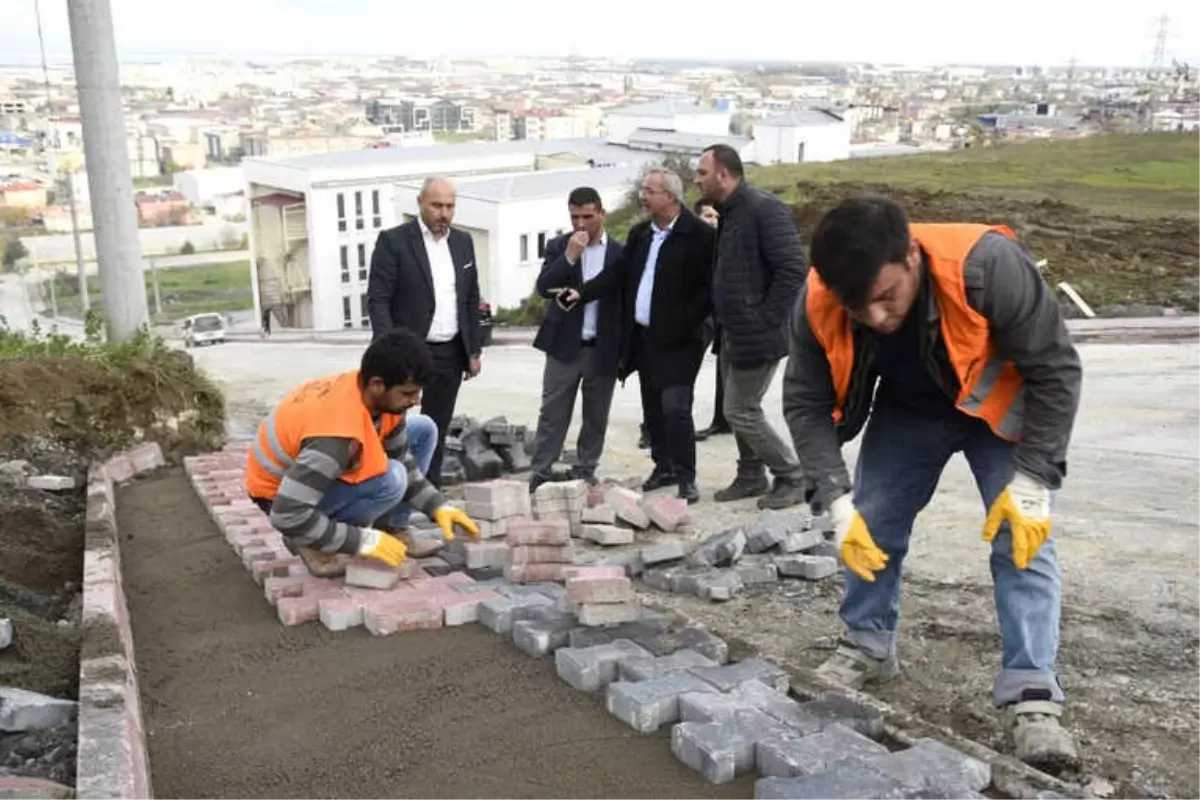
(581, 340)
(423, 278)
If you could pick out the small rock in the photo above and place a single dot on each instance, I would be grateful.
(51, 483)
(5, 632)
(720, 550)
(22, 710)
(812, 568)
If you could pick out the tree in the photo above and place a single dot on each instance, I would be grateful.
(14, 251)
(187, 249)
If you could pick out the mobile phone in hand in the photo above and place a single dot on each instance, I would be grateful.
(563, 302)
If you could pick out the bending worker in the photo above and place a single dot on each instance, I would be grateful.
(972, 355)
(340, 463)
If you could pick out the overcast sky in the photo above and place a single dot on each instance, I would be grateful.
(916, 32)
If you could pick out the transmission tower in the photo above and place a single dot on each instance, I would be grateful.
(1160, 47)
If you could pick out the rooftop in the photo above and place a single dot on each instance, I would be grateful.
(665, 108)
(678, 141)
(803, 118)
(535, 185)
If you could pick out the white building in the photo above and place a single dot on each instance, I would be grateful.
(667, 115)
(314, 219)
(221, 188)
(801, 137)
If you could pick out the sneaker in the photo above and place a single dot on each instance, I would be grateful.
(1039, 739)
(741, 488)
(785, 493)
(852, 668)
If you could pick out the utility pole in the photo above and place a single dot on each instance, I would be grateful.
(157, 292)
(84, 304)
(118, 249)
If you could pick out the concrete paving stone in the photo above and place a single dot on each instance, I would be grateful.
(528, 531)
(627, 506)
(340, 613)
(662, 578)
(640, 632)
(396, 615)
(14, 787)
(22, 710)
(670, 550)
(291, 586)
(589, 669)
(275, 568)
(599, 589)
(834, 707)
(520, 555)
(729, 676)
(455, 559)
(628, 560)
(802, 541)
(298, 610)
(780, 706)
(599, 515)
(666, 513)
(703, 642)
(932, 769)
(51, 483)
(591, 571)
(720, 550)
(717, 751)
(812, 568)
(433, 565)
(537, 637)
(597, 614)
(487, 573)
(647, 705)
(651, 667)
(493, 529)
(371, 573)
(767, 532)
(606, 535)
(523, 573)
(719, 586)
(838, 784)
(493, 512)
(756, 570)
(790, 757)
(464, 607)
(497, 614)
(827, 549)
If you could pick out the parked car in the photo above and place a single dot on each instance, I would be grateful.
(485, 323)
(201, 329)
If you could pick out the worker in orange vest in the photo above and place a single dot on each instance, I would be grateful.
(340, 463)
(971, 354)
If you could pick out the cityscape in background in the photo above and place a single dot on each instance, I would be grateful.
(300, 163)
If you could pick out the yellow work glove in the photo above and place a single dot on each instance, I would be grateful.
(858, 550)
(382, 547)
(449, 516)
(1025, 505)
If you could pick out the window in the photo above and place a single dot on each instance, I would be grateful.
(345, 255)
(347, 322)
(362, 307)
(362, 262)
(358, 211)
(524, 247)
(341, 203)
(542, 244)
(376, 218)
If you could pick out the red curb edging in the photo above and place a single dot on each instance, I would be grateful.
(112, 759)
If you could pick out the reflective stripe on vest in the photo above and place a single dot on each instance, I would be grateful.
(991, 388)
(279, 461)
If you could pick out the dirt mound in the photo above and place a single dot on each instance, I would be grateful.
(1109, 259)
(43, 656)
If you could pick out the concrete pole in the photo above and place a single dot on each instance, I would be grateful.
(118, 249)
(84, 304)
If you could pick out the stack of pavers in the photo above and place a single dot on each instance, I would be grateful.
(494, 506)
(601, 595)
(476, 452)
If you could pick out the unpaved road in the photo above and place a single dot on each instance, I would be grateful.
(236, 705)
(1126, 527)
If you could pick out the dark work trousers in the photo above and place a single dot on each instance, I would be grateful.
(440, 393)
(718, 420)
(668, 414)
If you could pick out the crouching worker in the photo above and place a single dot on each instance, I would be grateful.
(967, 344)
(340, 463)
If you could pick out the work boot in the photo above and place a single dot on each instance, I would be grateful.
(321, 564)
(1039, 739)
(852, 668)
(689, 492)
(586, 476)
(785, 493)
(417, 548)
(658, 479)
(741, 488)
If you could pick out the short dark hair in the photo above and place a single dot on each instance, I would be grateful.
(585, 196)
(728, 158)
(853, 242)
(701, 204)
(396, 357)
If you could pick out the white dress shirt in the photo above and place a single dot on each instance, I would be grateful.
(445, 286)
(593, 265)
(645, 292)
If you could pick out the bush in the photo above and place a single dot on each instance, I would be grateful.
(529, 314)
(187, 249)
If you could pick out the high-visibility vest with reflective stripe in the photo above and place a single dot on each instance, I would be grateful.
(990, 387)
(330, 406)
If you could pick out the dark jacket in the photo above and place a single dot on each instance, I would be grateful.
(561, 333)
(759, 270)
(400, 288)
(1027, 328)
(669, 352)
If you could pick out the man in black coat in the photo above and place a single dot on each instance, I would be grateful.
(666, 273)
(581, 340)
(423, 278)
(760, 268)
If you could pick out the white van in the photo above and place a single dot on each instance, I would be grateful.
(201, 329)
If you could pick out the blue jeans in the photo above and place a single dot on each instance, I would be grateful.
(379, 501)
(902, 457)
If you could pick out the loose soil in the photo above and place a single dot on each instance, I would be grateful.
(238, 706)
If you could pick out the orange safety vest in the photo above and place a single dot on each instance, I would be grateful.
(991, 388)
(329, 406)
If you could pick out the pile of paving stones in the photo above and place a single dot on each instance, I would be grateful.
(477, 452)
(653, 670)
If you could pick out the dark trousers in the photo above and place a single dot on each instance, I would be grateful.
(562, 382)
(440, 393)
(718, 420)
(667, 411)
